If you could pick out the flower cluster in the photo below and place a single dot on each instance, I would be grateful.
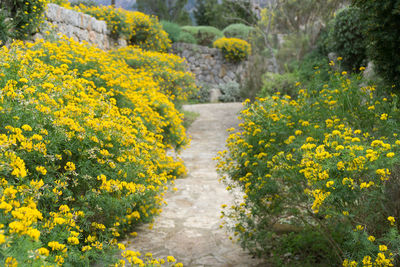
(83, 160)
(26, 16)
(234, 49)
(168, 70)
(318, 167)
(138, 28)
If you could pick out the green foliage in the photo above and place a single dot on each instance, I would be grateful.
(230, 92)
(88, 3)
(165, 10)
(4, 28)
(234, 49)
(203, 94)
(189, 117)
(205, 35)
(186, 37)
(275, 82)
(220, 15)
(348, 38)
(26, 16)
(83, 142)
(383, 36)
(319, 164)
(293, 49)
(238, 30)
(173, 30)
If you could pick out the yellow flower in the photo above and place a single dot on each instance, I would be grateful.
(391, 220)
(371, 238)
(69, 166)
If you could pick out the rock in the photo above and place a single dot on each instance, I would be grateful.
(369, 72)
(215, 93)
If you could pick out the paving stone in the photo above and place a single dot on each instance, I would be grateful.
(188, 228)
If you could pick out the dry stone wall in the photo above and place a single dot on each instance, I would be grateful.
(209, 65)
(79, 26)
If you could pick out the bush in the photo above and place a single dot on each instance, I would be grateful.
(82, 152)
(205, 35)
(230, 92)
(234, 49)
(383, 36)
(146, 32)
(238, 30)
(138, 28)
(186, 37)
(116, 19)
(26, 16)
(203, 94)
(321, 166)
(173, 30)
(348, 38)
(168, 70)
(87, 3)
(275, 82)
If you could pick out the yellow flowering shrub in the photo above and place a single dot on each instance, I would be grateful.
(83, 161)
(138, 28)
(26, 16)
(318, 175)
(234, 49)
(168, 70)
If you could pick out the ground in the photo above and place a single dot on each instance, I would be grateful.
(189, 226)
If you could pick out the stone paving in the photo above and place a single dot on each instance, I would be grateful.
(188, 228)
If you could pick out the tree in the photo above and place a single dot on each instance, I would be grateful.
(383, 36)
(220, 15)
(170, 10)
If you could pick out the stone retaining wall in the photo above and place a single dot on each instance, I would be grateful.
(79, 26)
(209, 65)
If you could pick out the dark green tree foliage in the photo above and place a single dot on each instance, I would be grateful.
(4, 28)
(171, 10)
(220, 15)
(383, 36)
(348, 38)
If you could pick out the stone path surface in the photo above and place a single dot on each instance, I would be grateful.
(188, 228)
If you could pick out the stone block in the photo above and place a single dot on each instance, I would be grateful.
(215, 93)
(53, 12)
(71, 17)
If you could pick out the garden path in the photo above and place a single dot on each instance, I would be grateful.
(188, 228)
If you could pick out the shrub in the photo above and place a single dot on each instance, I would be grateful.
(275, 82)
(87, 3)
(168, 70)
(26, 16)
(173, 30)
(138, 28)
(186, 37)
(146, 32)
(83, 161)
(205, 35)
(348, 38)
(238, 30)
(203, 94)
(230, 92)
(234, 49)
(116, 19)
(320, 166)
